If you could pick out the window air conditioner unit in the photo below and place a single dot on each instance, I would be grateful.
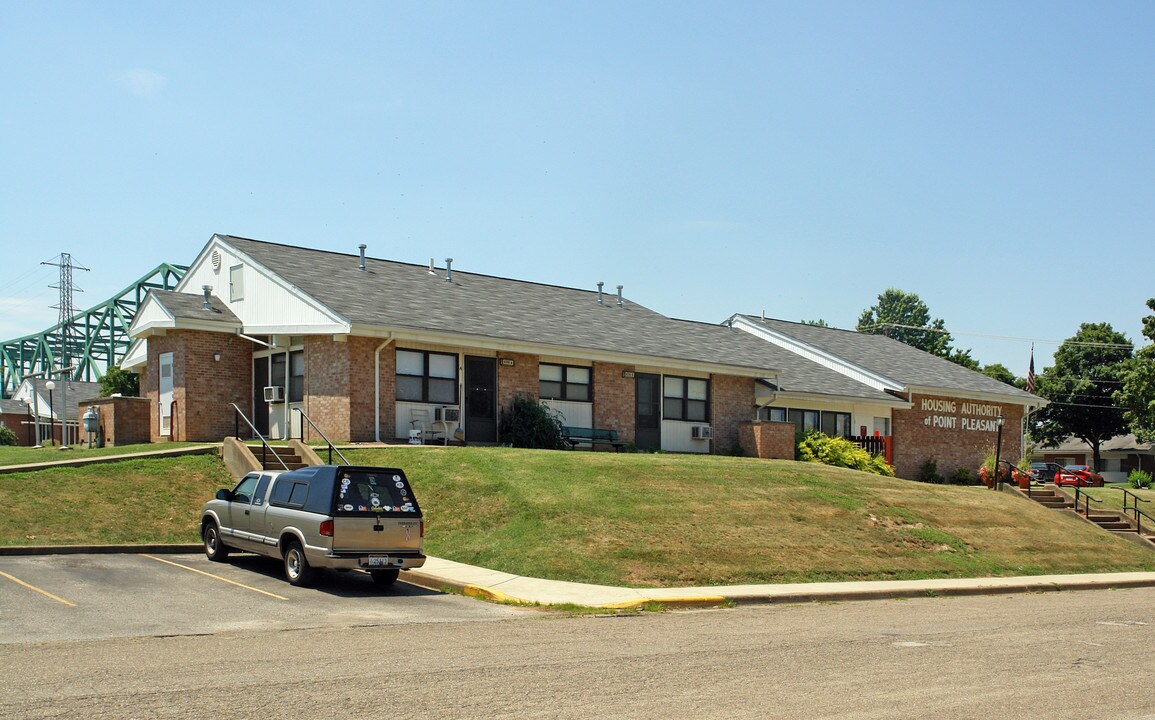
(447, 414)
(274, 393)
(702, 432)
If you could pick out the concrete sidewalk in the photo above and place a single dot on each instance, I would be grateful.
(438, 574)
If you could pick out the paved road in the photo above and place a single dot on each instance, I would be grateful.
(1052, 655)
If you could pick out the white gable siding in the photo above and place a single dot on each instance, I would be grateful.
(269, 305)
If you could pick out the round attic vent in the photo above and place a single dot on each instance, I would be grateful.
(216, 259)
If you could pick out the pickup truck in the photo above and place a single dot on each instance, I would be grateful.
(326, 516)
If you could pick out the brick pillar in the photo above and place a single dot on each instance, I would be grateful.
(614, 404)
(732, 400)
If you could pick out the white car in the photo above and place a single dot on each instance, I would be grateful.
(326, 516)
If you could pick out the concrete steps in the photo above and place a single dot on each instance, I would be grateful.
(274, 456)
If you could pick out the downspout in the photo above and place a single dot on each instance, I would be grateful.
(377, 386)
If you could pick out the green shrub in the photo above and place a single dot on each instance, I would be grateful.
(928, 472)
(963, 476)
(1139, 479)
(840, 452)
(526, 423)
(8, 436)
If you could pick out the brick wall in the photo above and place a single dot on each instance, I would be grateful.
(732, 403)
(767, 439)
(123, 420)
(327, 391)
(952, 431)
(520, 378)
(21, 424)
(202, 387)
(614, 405)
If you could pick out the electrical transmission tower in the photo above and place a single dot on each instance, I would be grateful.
(67, 339)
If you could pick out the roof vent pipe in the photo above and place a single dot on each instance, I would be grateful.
(432, 270)
(362, 246)
(620, 302)
(448, 270)
(600, 293)
(207, 290)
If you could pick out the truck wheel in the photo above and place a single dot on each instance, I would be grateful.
(215, 550)
(384, 578)
(297, 569)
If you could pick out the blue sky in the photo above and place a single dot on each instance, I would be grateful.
(793, 158)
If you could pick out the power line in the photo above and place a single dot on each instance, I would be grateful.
(1129, 346)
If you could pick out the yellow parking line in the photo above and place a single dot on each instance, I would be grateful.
(33, 587)
(215, 577)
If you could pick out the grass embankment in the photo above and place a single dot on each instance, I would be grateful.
(126, 501)
(619, 519)
(51, 453)
(668, 520)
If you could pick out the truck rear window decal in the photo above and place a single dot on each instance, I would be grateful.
(370, 492)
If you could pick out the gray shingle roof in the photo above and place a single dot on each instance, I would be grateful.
(907, 365)
(190, 306)
(405, 296)
(12, 407)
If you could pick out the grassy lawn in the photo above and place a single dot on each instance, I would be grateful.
(1111, 497)
(10, 455)
(621, 519)
(126, 501)
(667, 520)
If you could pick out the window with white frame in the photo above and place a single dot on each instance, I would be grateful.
(564, 382)
(882, 426)
(424, 376)
(236, 283)
(685, 399)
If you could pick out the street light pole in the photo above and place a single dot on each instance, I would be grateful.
(50, 386)
(998, 481)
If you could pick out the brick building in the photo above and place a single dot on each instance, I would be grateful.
(370, 349)
(375, 350)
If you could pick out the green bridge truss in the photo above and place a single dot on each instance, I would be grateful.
(93, 340)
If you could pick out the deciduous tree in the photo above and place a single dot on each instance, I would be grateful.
(1137, 395)
(906, 318)
(1080, 387)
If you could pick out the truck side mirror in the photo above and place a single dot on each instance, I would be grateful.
(224, 494)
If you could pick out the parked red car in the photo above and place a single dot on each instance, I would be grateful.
(1079, 476)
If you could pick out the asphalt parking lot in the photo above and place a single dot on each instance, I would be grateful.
(53, 598)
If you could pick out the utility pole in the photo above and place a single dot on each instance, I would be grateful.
(66, 340)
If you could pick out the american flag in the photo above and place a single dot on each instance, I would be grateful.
(1031, 372)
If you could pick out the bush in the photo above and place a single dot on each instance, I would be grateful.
(840, 452)
(526, 423)
(8, 436)
(928, 473)
(963, 476)
(1139, 479)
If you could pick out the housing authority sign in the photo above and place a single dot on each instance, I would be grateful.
(961, 416)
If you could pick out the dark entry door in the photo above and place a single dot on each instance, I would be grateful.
(260, 407)
(648, 414)
(480, 400)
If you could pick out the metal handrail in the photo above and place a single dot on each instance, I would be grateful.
(265, 447)
(1134, 507)
(1086, 502)
(332, 448)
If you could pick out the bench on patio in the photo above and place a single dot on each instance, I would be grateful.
(575, 436)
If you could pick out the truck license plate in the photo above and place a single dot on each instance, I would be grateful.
(377, 561)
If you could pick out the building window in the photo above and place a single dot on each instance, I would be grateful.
(685, 399)
(297, 376)
(804, 420)
(774, 414)
(564, 382)
(236, 283)
(882, 426)
(836, 424)
(426, 377)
